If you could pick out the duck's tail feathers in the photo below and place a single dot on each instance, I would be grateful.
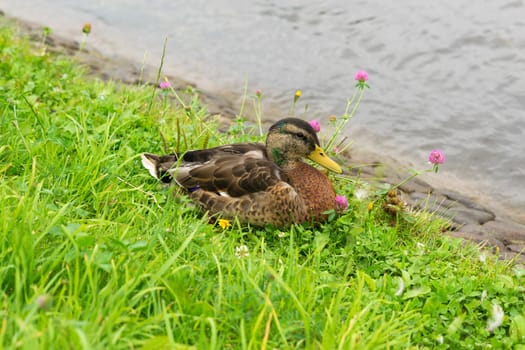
(159, 166)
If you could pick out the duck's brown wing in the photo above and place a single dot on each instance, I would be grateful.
(231, 176)
(162, 167)
(254, 150)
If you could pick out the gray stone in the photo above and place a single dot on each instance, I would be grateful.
(506, 231)
(454, 211)
(458, 197)
(460, 215)
(517, 248)
(464, 216)
(366, 169)
(416, 185)
(474, 229)
(430, 202)
(481, 238)
(518, 258)
(392, 179)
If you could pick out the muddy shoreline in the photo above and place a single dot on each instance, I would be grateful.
(487, 224)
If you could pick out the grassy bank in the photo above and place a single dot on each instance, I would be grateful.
(93, 254)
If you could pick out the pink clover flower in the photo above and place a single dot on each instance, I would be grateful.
(315, 125)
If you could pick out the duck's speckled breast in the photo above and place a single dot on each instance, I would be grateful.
(315, 187)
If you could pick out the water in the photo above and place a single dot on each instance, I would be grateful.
(446, 74)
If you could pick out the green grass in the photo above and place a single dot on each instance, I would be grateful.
(95, 255)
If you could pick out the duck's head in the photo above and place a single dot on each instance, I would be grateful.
(291, 139)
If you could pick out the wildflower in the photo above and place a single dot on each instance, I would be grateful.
(86, 28)
(361, 76)
(361, 194)
(242, 251)
(370, 206)
(341, 203)
(164, 85)
(332, 118)
(297, 95)
(44, 302)
(315, 125)
(258, 93)
(497, 318)
(281, 234)
(436, 157)
(224, 223)
(482, 257)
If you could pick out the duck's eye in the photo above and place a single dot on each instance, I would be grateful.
(301, 135)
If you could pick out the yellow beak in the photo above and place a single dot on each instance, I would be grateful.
(320, 157)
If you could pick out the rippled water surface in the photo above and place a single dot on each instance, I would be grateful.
(447, 74)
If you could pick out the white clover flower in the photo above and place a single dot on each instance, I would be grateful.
(242, 251)
(361, 194)
(482, 257)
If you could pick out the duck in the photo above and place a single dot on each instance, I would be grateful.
(254, 183)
